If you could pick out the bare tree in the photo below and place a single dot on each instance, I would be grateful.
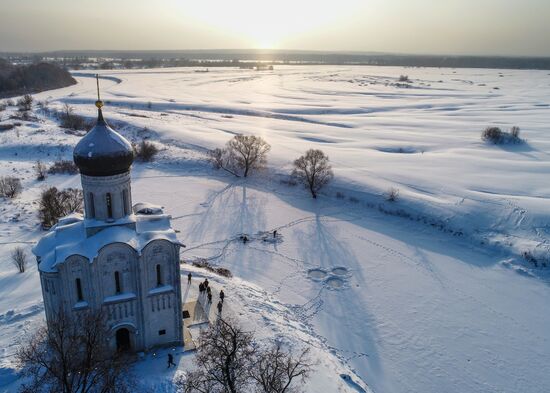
(40, 170)
(274, 370)
(313, 170)
(221, 159)
(223, 358)
(55, 204)
(71, 355)
(19, 259)
(249, 152)
(242, 153)
(10, 187)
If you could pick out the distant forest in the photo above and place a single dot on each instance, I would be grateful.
(22, 79)
(230, 58)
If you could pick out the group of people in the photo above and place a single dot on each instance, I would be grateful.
(204, 287)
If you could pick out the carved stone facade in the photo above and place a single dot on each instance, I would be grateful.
(140, 293)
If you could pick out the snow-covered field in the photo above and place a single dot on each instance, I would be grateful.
(426, 294)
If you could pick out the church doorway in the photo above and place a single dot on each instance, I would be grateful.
(123, 340)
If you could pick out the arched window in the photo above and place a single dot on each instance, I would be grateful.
(91, 209)
(118, 288)
(159, 276)
(125, 202)
(109, 205)
(79, 290)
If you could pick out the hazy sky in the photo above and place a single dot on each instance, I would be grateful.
(506, 27)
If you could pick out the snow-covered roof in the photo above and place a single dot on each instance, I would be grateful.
(147, 208)
(69, 237)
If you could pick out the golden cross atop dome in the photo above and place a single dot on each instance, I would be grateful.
(98, 103)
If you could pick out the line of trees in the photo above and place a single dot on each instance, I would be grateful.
(16, 80)
(244, 154)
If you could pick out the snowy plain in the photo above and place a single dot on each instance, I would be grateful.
(426, 294)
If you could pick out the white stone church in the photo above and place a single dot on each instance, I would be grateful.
(120, 259)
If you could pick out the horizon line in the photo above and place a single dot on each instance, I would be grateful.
(278, 50)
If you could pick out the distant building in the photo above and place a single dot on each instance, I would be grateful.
(118, 259)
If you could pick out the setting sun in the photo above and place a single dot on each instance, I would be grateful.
(267, 25)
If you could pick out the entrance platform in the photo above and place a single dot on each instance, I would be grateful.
(197, 312)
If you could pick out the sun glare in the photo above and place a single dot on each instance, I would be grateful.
(266, 25)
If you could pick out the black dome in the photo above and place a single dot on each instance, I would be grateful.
(103, 151)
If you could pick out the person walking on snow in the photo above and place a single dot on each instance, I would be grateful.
(189, 279)
(208, 290)
(201, 288)
(205, 283)
(171, 360)
(209, 297)
(220, 306)
(222, 295)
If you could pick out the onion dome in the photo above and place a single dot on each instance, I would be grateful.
(103, 151)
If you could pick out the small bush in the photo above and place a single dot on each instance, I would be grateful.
(492, 134)
(10, 103)
(25, 103)
(55, 204)
(63, 167)
(71, 120)
(203, 264)
(529, 257)
(2, 106)
(496, 136)
(10, 187)
(392, 195)
(146, 151)
(404, 78)
(19, 259)
(223, 272)
(40, 170)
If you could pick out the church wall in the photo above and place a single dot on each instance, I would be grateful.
(121, 258)
(124, 307)
(51, 293)
(162, 303)
(151, 312)
(77, 267)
